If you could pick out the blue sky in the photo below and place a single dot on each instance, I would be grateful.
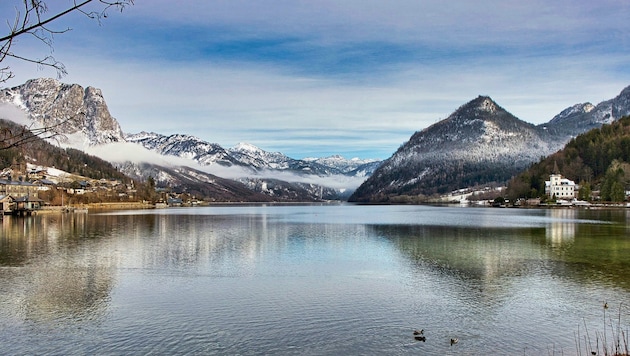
(356, 78)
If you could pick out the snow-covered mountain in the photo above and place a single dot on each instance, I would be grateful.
(354, 166)
(479, 143)
(580, 118)
(249, 156)
(184, 146)
(79, 114)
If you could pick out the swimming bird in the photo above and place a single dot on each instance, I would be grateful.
(420, 338)
(418, 332)
(454, 341)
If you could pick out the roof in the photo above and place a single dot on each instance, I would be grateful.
(14, 182)
(27, 199)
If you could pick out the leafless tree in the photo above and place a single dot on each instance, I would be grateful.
(14, 135)
(32, 18)
(12, 138)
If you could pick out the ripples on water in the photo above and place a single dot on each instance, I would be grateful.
(310, 280)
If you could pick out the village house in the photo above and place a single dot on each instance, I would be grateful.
(27, 204)
(18, 189)
(560, 188)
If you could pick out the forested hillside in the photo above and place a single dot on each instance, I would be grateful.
(33, 149)
(597, 160)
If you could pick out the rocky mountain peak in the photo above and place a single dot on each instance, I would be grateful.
(580, 118)
(246, 147)
(487, 104)
(480, 142)
(77, 114)
(474, 113)
(577, 109)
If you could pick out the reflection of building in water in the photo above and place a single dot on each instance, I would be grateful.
(561, 228)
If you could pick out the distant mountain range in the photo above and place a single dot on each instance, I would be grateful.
(249, 156)
(480, 143)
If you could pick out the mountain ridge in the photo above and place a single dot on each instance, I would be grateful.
(479, 143)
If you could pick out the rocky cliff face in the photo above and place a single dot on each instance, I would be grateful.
(79, 114)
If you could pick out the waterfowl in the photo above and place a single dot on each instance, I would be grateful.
(454, 341)
(418, 332)
(420, 338)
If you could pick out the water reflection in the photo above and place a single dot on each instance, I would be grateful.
(59, 277)
(305, 279)
(484, 254)
(561, 228)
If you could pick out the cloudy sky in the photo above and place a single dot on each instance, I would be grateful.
(316, 78)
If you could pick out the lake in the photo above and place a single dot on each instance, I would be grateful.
(315, 280)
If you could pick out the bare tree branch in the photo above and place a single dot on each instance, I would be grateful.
(31, 20)
(13, 138)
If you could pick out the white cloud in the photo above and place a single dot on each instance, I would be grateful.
(131, 152)
(13, 113)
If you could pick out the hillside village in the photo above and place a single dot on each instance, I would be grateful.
(39, 188)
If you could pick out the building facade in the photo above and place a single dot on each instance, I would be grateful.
(560, 188)
(18, 189)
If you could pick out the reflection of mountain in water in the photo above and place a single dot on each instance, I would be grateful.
(572, 245)
(479, 253)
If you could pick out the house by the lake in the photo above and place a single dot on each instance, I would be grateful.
(18, 188)
(24, 205)
(7, 204)
(560, 188)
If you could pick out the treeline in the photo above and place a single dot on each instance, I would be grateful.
(438, 178)
(596, 160)
(37, 151)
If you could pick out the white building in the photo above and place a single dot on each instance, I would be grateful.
(560, 188)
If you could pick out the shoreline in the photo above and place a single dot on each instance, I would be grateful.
(84, 208)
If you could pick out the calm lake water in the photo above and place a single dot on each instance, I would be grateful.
(314, 280)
